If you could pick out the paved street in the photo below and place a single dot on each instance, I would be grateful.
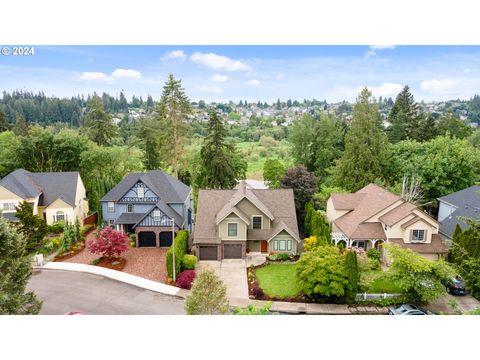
(465, 304)
(64, 291)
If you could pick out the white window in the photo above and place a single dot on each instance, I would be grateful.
(418, 235)
(157, 215)
(129, 208)
(59, 216)
(8, 206)
(256, 222)
(360, 244)
(141, 192)
(282, 245)
(111, 206)
(232, 229)
(111, 222)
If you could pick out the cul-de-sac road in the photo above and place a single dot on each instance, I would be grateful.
(65, 291)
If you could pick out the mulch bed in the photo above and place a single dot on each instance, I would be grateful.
(253, 282)
(107, 263)
(72, 253)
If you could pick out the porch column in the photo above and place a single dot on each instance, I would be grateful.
(374, 241)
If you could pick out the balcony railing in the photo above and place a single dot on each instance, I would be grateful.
(139, 200)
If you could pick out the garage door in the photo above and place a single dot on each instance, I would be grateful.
(147, 239)
(232, 251)
(208, 253)
(165, 239)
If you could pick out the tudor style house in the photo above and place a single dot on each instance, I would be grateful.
(230, 223)
(55, 196)
(145, 204)
(456, 206)
(373, 215)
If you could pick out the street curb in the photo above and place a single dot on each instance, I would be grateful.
(115, 275)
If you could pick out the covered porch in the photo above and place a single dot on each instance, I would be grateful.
(366, 244)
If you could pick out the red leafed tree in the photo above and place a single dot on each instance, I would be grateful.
(109, 243)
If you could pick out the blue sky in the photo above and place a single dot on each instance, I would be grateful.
(265, 73)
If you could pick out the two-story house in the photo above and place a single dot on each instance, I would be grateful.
(373, 216)
(149, 205)
(453, 208)
(54, 196)
(230, 223)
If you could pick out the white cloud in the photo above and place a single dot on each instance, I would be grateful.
(373, 49)
(280, 76)
(385, 89)
(117, 74)
(218, 78)
(219, 62)
(210, 89)
(126, 74)
(253, 82)
(438, 87)
(174, 55)
(93, 76)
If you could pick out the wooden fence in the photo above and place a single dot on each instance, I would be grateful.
(91, 219)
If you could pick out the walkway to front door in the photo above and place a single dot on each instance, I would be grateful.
(233, 272)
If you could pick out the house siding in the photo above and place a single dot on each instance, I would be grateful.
(241, 229)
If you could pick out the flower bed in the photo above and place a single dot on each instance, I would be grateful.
(71, 252)
(114, 263)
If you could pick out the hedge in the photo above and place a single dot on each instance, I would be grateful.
(189, 262)
(181, 246)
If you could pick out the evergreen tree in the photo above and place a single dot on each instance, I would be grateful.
(3, 121)
(149, 101)
(279, 105)
(147, 135)
(31, 226)
(405, 117)
(122, 102)
(363, 160)
(20, 128)
(221, 165)
(172, 112)
(208, 295)
(98, 124)
(14, 274)
(452, 125)
(309, 210)
(427, 128)
(353, 275)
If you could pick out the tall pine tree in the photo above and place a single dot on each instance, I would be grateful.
(20, 128)
(14, 274)
(172, 112)
(98, 124)
(3, 121)
(147, 137)
(221, 165)
(363, 160)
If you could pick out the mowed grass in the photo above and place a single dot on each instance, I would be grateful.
(256, 154)
(278, 280)
(378, 282)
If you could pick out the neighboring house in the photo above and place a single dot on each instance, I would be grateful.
(463, 203)
(230, 223)
(373, 216)
(145, 204)
(55, 196)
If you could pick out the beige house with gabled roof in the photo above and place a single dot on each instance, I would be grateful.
(373, 216)
(230, 223)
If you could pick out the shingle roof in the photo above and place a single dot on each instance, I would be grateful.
(373, 200)
(278, 202)
(167, 210)
(397, 214)
(435, 247)
(167, 188)
(373, 230)
(52, 185)
(467, 202)
(129, 218)
(343, 201)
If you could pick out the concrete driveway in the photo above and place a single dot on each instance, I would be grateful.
(64, 291)
(233, 272)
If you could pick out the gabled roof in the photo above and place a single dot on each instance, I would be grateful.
(237, 212)
(398, 213)
(213, 204)
(346, 201)
(469, 196)
(373, 199)
(165, 186)
(52, 185)
(435, 247)
(279, 227)
(166, 209)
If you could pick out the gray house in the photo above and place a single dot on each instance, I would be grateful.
(455, 206)
(145, 204)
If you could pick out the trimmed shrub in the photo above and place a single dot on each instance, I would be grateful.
(353, 275)
(185, 279)
(279, 257)
(257, 291)
(373, 254)
(133, 240)
(181, 245)
(57, 227)
(86, 229)
(189, 262)
(310, 243)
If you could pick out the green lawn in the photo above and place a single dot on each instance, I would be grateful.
(278, 280)
(378, 282)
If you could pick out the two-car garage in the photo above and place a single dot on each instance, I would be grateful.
(229, 251)
(149, 239)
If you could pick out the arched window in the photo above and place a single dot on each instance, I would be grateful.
(60, 216)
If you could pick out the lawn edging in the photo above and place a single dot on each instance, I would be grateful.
(115, 275)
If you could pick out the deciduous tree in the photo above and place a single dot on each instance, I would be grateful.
(304, 185)
(109, 243)
(273, 171)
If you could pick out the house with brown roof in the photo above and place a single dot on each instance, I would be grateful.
(373, 216)
(230, 223)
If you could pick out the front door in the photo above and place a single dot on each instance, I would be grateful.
(264, 246)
